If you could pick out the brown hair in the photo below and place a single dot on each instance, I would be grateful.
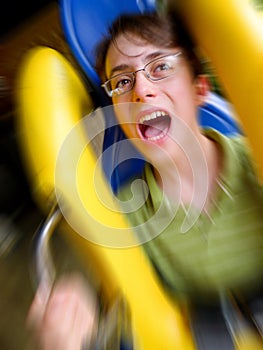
(158, 29)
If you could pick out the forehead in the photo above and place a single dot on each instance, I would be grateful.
(131, 51)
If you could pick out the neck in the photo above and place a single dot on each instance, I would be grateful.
(192, 175)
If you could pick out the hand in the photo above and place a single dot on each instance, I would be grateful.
(67, 319)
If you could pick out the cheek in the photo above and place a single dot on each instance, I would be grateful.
(183, 84)
(184, 88)
(183, 95)
(128, 130)
(123, 119)
(122, 113)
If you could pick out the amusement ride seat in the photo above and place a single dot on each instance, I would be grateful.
(52, 98)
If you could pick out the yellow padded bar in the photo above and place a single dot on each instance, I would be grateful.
(51, 101)
(231, 33)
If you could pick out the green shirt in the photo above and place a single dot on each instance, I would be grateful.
(222, 251)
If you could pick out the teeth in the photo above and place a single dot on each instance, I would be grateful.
(151, 116)
(158, 137)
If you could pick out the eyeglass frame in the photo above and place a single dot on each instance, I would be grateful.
(111, 93)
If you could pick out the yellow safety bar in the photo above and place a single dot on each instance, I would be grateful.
(51, 101)
(231, 34)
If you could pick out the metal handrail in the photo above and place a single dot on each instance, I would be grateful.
(44, 266)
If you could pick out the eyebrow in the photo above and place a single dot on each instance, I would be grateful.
(148, 58)
(121, 67)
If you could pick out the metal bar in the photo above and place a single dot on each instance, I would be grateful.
(44, 266)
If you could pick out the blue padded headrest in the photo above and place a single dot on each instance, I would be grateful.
(85, 22)
(124, 162)
(218, 114)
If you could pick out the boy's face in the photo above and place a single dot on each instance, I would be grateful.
(163, 102)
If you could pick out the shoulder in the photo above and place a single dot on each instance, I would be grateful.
(239, 163)
(236, 147)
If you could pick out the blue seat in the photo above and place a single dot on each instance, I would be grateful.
(84, 24)
(218, 114)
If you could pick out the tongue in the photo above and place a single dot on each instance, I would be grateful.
(154, 130)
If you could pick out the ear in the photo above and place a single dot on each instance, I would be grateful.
(202, 86)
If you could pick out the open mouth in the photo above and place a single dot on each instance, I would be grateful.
(154, 126)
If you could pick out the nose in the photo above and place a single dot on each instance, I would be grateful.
(143, 88)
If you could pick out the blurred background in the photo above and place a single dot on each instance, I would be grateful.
(23, 24)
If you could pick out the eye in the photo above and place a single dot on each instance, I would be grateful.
(162, 68)
(122, 82)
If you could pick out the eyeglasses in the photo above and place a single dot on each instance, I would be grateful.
(157, 69)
